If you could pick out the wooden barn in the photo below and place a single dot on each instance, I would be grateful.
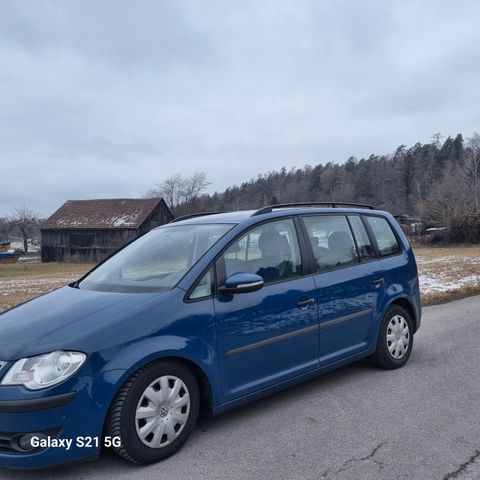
(90, 230)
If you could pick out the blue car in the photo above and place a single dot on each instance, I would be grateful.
(196, 317)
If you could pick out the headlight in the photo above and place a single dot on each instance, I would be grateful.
(45, 370)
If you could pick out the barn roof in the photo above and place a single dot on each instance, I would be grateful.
(102, 213)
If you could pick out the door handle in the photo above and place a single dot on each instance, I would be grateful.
(304, 304)
(378, 282)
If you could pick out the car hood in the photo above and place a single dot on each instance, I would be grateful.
(75, 319)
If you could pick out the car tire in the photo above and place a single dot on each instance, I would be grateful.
(154, 412)
(395, 339)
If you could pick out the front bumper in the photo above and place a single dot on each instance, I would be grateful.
(73, 412)
(36, 404)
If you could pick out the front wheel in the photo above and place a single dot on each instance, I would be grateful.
(154, 412)
(395, 339)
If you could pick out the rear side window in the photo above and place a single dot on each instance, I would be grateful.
(332, 241)
(383, 233)
(365, 248)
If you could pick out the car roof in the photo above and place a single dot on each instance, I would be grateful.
(222, 217)
(249, 217)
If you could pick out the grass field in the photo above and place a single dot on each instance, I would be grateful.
(20, 282)
(446, 273)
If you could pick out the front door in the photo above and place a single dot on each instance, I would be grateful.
(271, 335)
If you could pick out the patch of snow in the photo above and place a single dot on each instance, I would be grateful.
(123, 220)
(30, 259)
(33, 286)
(430, 282)
(31, 247)
(449, 259)
(116, 221)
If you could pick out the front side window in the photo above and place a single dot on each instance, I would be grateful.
(383, 233)
(332, 241)
(204, 287)
(270, 250)
(157, 261)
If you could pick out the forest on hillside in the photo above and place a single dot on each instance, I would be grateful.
(437, 182)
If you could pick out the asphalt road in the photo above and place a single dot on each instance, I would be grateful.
(419, 422)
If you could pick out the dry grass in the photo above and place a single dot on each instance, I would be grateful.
(20, 282)
(446, 273)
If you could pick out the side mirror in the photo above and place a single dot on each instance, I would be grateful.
(241, 283)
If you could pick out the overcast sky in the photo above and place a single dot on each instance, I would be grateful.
(103, 99)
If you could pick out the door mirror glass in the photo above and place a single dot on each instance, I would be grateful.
(242, 283)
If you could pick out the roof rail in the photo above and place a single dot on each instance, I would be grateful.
(270, 208)
(193, 215)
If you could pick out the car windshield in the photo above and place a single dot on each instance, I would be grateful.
(156, 261)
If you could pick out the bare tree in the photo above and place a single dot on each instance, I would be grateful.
(437, 139)
(171, 189)
(25, 221)
(471, 168)
(447, 199)
(194, 186)
(178, 190)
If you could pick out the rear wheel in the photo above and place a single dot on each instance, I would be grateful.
(395, 339)
(154, 412)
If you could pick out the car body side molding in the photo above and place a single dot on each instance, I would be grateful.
(297, 333)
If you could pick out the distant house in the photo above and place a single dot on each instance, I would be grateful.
(410, 224)
(90, 230)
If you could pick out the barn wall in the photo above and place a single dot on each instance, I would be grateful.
(85, 245)
(159, 216)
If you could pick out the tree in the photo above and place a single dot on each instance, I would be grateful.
(436, 181)
(436, 139)
(4, 228)
(169, 189)
(181, 192)
(447, 199)
(471, 168)
(25, 221)
(424, 175)
(407, 168)
(193, 187)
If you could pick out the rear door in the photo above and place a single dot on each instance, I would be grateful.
(349, 284)
(271, 335)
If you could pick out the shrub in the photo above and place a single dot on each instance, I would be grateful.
(466, 228)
